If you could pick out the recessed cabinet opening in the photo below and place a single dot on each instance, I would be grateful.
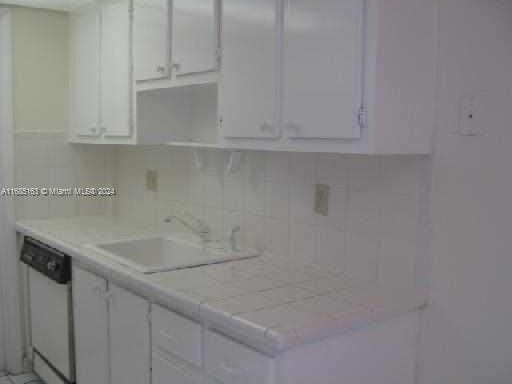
(178, 115)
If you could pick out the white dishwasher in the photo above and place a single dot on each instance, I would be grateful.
(51, 316)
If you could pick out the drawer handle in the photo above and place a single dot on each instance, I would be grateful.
(267, 127)
(99, 291)
(292, 128)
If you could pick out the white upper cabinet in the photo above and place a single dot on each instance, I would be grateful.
(322, 84)
(116, 85)
(248, 103)
(350, 76)
(151, 40)
(85, 71)
(194, 36)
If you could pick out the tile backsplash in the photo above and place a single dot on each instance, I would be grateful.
(46, 159)
(372, 232)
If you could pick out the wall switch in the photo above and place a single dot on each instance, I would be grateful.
(322, 199)
(151, 180)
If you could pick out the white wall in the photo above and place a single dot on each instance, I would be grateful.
(5, 126)
(43, 156)
(467, 335)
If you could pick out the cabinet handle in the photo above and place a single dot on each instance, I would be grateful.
(176, 66)
(160, 69)
(292, 128)
(267, 127)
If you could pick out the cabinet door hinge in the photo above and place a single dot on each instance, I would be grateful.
(361, 117)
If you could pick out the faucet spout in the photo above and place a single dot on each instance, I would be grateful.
(193, 224)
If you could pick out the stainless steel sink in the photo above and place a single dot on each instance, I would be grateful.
(158, 254)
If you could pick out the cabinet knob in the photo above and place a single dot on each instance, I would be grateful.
(267, 127)
(292, 128)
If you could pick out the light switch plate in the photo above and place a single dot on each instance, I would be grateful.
(322, 199)
(151, 180)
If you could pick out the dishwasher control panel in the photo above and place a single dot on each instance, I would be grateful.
(46, 260)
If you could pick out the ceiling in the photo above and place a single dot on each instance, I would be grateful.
(61, 5)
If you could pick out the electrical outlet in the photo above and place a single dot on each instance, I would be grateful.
(322, 199)
(151, 180)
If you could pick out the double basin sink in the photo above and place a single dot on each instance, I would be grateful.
(159, 254)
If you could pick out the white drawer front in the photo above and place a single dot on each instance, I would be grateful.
(168, 371)
(233, 363)
(174, 334)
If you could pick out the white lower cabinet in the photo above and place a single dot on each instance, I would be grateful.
(129, 337)
(90, 314)
(176, 335)
(111, 332)
(234, 363)
(123, 339)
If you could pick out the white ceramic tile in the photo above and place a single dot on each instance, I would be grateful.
(302, 243)
(213, 190)
(246, 303)
(274, 317)
(302, 168)
(214, 218)
(277, 236)
(330, 248)
(276, 200)
(326, 285)
(332, 169)
(196, 192)
(256, 284)
(277, 168)
(396, 264)
(337, 215)
(271, 198)
(302, 202)
(361, 257)
(254, 227)
(288, 294)
(233, 196)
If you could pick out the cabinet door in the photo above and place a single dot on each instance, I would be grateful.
(90, 315)
(129, 338)
(323, 63)
(85, 70)
(248, 86)
(151, 42)
(116, 85)
(194, 36)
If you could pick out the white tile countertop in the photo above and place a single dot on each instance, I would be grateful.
(263, 302)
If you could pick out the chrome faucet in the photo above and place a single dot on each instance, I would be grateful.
(193, 224)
